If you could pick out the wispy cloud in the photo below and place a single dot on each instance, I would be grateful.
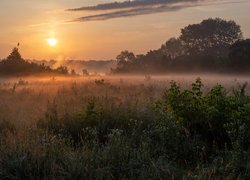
(138, 7)
(129, 4)
(130, 12)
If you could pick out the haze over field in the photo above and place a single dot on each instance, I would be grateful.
(127, 89)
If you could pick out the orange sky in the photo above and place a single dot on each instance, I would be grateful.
(32, 22)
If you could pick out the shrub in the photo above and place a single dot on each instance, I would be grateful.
(205, 115)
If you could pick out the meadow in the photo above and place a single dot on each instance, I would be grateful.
(125, 127)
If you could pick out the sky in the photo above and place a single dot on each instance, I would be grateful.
(101, 29)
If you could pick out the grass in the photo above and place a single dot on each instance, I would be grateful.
(103, 129)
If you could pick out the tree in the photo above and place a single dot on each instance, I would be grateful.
(124, 58)
(211, 36)
(73, 72)
(15, 55)
(240, 54)
(15, 65)
(85, 72)
(173, 47)
(200, 47)
(62, 70)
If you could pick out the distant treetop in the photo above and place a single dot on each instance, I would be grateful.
(211, 36)
(15, 65)
(15, 55)
(213, 45)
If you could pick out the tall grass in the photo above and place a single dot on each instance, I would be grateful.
(118, 130)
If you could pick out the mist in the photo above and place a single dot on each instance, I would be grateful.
(181, 110)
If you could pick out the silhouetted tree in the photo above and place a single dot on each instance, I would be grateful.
(14, 55)
(211, 36)
(240, 54)
(202, 47)
(173, 48)
(15, 65)
(85, 72)
(62, 70)
(73, 72)
(124, 58)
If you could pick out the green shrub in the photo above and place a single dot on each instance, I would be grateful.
(206, 115)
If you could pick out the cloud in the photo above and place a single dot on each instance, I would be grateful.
(130, 13)
(139, 7)
(129, 4)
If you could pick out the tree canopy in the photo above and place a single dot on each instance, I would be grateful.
(15, 65)
(211, 36)
(214, 45)
(174, 47)
(240, 54)
(15, 55)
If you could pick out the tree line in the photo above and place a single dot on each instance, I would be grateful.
(15, 65)
(214, 45)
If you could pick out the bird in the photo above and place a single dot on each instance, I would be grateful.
(18, 44)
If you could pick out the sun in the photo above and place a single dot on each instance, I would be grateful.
(52, 41)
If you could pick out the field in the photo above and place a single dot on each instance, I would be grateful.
(126, 127)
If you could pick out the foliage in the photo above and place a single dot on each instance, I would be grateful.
(85, 72)
(187, 133)
(211, 36)
(207, 115)
(99, 81)
(15, 65)
(240, 55)
(214, 45)
(174, 48)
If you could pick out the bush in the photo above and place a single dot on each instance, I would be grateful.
(207, 115)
